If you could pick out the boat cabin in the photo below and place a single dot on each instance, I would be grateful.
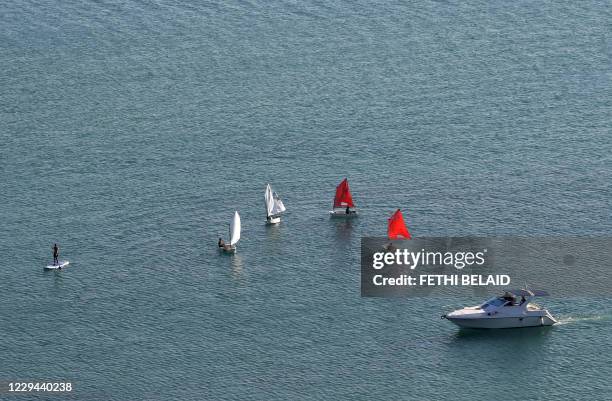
(501, 301)
(512, 298)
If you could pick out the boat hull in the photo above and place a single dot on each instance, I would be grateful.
(273, 220)
(229, 249)
(503, 322)
(342, 213)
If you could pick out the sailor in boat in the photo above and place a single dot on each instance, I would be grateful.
(224, 246)
(56, 255)
(390, 247)
(348, 210)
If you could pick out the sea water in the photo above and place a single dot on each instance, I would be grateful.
(131, 131)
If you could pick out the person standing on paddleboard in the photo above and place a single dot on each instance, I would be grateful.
(55, 254)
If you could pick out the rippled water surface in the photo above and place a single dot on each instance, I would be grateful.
(131, 131)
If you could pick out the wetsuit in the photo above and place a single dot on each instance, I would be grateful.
(55, 255)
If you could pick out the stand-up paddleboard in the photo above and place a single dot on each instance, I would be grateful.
(62, 264)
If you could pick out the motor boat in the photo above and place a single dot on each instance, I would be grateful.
(512, 309)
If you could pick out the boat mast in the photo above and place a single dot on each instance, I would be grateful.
(268, 196)
(334, 200)
(267, 212)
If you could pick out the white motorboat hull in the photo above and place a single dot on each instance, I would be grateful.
(503, 322)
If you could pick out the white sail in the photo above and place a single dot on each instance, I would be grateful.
(274, 205)
(235, 229)
(278, 205)
(269, 197)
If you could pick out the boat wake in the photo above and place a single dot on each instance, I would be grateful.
(578, 319)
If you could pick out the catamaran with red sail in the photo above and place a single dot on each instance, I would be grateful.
(397, 227)
(343, 201)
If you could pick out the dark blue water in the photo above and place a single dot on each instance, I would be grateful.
(130, 132)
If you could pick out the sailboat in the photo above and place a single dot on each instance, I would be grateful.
(343, 201)
(234, 232)
(397, 226)
(274, 206)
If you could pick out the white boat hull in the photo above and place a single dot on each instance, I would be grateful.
(504, 322)
(342, 213)
(273, 220)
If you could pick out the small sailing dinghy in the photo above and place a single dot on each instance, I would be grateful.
(396, 230)
(274, 206)
(59, 266)
(234, 232)
(397, 227)
(343, 201)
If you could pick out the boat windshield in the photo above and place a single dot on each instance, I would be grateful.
(493, 302)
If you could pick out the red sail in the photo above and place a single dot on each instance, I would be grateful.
(397, 227)
(343, 195)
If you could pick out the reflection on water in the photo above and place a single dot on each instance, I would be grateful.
(237, 266)
(57, 276)
(502, 349)
(464, 334)
(276, 239)
(344, 228)
(273, 231)
(520, 344)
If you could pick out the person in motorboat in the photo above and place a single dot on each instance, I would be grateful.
(509, 298)
(55, 254)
